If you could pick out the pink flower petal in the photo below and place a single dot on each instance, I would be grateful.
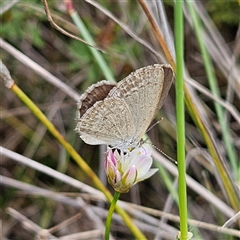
(130, 176)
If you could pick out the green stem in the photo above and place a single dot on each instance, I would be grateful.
(180, 120)
(110, 213)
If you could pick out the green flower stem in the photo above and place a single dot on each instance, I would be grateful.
(110, 213)
(82, 164)
(182, 189)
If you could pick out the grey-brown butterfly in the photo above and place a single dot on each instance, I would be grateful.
(119, 114)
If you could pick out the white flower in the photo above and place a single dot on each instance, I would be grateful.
(125, 170)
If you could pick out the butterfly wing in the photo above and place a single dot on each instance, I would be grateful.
(93, 94)
(107, 122)
(144, 92)
(168, 80)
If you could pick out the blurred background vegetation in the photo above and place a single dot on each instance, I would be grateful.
(25, 27)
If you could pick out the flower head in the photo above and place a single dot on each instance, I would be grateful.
(126, 169)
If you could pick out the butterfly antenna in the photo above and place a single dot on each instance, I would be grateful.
(151, 127)
(163, 153)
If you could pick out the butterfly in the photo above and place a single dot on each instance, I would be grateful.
(119, 114)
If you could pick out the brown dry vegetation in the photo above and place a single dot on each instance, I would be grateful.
(33, 200)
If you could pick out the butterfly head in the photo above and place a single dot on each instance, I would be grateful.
(128, 145)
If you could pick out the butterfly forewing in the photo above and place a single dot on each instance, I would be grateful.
(168, 79)
(142, 91)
